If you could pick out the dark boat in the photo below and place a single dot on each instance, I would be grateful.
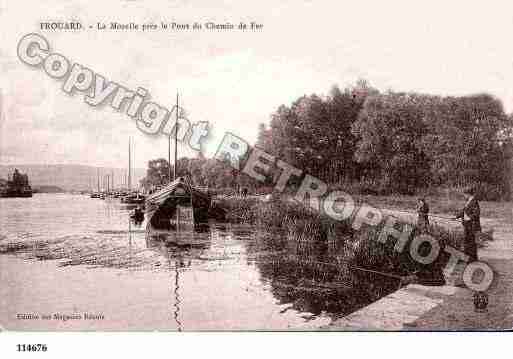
(137, 215)
(17, 186)
(180, 205)
(135, 198)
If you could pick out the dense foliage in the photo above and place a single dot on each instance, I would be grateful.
(383, 142)
(395, 142)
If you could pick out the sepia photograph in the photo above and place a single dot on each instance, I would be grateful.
(238, 166)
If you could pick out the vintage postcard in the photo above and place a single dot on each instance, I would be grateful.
(255, 166)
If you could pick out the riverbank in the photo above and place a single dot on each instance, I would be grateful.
(359, 255)
(76, 255)
(424, 305)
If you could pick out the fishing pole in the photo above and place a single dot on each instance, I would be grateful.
(448, 218)
(432, 215)
(385, 274)
(395, 276)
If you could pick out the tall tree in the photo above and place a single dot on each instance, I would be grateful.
(391, 128)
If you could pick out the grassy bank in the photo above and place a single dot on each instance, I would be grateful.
(358, 256)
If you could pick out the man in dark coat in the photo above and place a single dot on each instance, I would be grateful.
(471, 219)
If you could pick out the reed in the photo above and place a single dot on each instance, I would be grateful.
(358, 249)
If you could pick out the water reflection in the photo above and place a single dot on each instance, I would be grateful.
(309, 277)
(178, 247)
(176, 313)
(221, 276)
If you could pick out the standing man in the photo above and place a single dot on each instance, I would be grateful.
(471, 219)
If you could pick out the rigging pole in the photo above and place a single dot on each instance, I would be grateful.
(169, 158)
(129, 164)
(176, 138)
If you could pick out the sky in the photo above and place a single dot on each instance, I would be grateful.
(232, 79)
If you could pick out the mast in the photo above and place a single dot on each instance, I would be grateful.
(169, 157)
(98, 178)
(129, 164)
(176, 138)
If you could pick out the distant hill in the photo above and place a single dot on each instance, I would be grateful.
(48, 189)
(71, 177)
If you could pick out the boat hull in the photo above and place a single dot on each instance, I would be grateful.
(164, 216)
(16, 194)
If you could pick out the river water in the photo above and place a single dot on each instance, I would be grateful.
(69, 262)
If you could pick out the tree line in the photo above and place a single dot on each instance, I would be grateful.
(394, 142)
(202, 171)
(386, 142)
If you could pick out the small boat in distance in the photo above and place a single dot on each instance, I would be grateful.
(17, 186)
(133, 198)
